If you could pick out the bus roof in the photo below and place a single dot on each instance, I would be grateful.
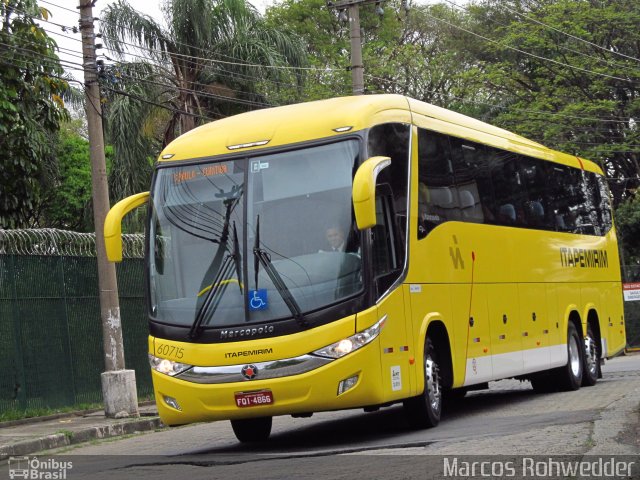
(308, 121)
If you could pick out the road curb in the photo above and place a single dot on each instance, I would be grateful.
(59, 440)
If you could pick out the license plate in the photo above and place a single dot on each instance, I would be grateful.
(254, 399)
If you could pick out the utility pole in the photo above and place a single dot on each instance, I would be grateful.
(353, 9)
(357, 69)
(350, 10)
(118, 385)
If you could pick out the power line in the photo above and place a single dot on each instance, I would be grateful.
(200, 93)
(58, 6)
(570, 35)
(538, 57)
(79, 67)
(563, 47)
(486, 104)
(205, 85)
(175, 110)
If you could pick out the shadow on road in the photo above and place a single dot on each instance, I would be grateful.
(386, 428)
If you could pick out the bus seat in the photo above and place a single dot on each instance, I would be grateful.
(507, 214)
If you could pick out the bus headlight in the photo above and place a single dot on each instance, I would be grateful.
(168, 367)
(352, 343)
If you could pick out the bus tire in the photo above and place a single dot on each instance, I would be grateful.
(570, 376)
(424, 410)
(252, 430)
(591, 359)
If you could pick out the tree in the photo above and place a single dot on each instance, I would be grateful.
(67, 200)
(31, 109)
(405, 52)
(627, 217)
(579, 96)
(205, 64)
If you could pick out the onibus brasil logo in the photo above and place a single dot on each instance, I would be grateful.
(38, 468)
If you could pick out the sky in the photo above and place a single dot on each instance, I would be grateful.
(65, 14)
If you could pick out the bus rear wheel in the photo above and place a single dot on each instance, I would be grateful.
(569, 377)
(252, 430)
(591, 359)
(424, 410)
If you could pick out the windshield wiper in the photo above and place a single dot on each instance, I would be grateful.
(262, 257)
(217, 288)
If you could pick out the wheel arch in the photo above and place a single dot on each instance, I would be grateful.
(434, 328)
(572, 315)
(593, 320)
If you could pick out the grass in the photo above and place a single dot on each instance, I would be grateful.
(19, 414)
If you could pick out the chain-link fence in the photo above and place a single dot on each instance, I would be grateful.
(50, 329)
(631, 274)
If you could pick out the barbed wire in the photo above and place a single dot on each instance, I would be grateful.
(54, 242)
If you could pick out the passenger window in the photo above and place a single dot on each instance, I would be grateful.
(507, 187)
(437, 196)
(473, 181)
(534, 175)
(604, 206)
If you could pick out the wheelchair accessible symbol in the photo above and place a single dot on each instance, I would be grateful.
(258, 299)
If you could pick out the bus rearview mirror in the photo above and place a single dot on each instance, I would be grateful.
(113, 224)
(364, 191)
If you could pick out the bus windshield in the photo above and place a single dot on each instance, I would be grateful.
(254, 239)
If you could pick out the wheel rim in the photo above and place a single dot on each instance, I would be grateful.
(574, 356)
(591, 355)
(432, 375)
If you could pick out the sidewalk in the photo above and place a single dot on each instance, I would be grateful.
(24, 437)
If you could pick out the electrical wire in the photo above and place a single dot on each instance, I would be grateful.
(538, 57)
(485, 104)
(563, 47)
(571, 36)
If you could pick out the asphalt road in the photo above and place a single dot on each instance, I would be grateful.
(508, 419)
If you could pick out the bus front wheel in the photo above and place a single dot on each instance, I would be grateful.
(424, 410)
(252, 430)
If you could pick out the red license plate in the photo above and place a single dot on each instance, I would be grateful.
(254, 399)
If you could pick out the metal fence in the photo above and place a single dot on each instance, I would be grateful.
(50, 329)
(631, 274)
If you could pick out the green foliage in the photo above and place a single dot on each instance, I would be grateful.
(67, 202)
(208, 62)
(627, 217)
(31, 109)
(571, 95)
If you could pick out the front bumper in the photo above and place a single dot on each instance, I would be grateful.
(310, 391)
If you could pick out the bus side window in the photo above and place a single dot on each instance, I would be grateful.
(604, 206)
(534, 175)
(507, 187)
(392, 140)
(436, 187)
(385, 243)
(473, 181)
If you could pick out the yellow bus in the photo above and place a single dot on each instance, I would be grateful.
(365, 251)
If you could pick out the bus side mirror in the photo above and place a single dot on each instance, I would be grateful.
(364, 191)
(113, 224)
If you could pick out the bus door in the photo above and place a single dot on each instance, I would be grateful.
(387, 264)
